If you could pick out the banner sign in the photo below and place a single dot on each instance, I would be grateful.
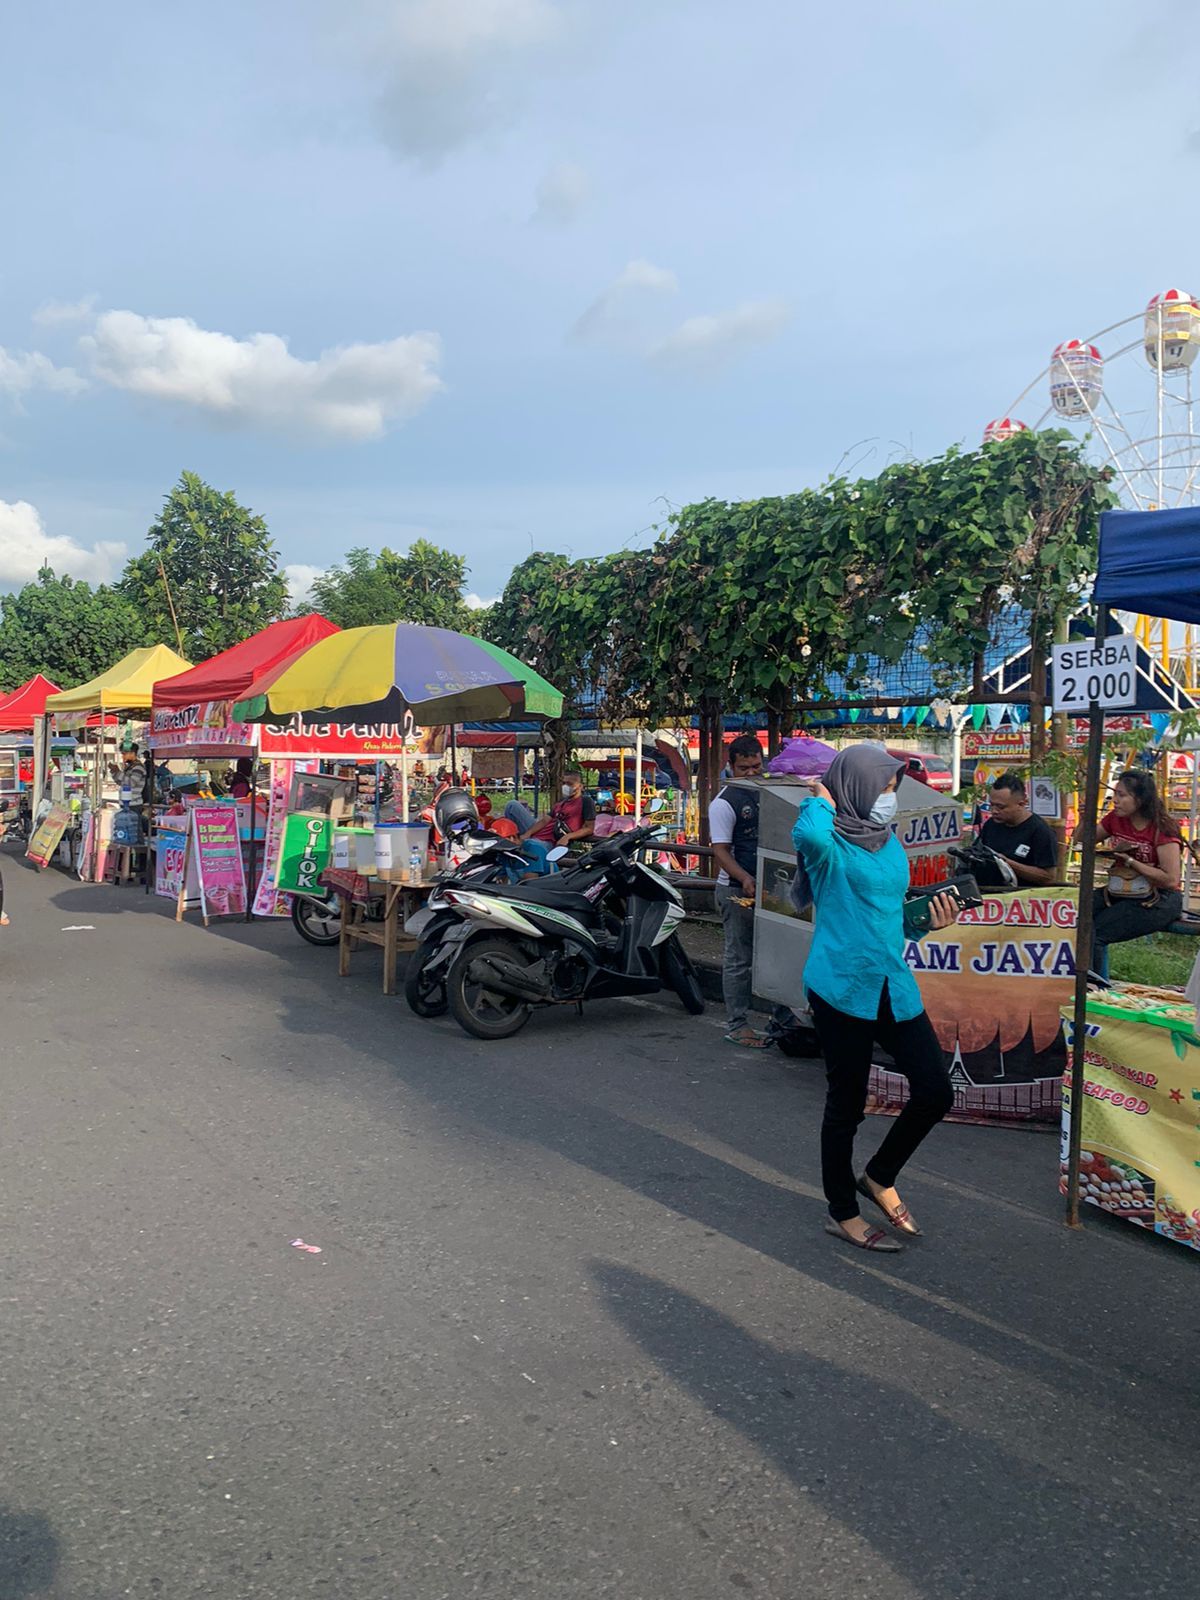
(1005, 747)
(173, 866)
(47, 836)
(269, 899)
(1140, 1155)
(217, 851)
(304, 855)
(348, 741)
(994, 986)
(204, 724)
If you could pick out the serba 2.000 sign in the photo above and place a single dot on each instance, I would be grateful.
(1100, 674)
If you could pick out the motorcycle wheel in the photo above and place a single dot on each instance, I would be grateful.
(679, 974)
(477, 1009)
(318, 921)
(425, 995)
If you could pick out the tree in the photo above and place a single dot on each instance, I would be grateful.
(424, 586)
(66, 630)
(211, 575)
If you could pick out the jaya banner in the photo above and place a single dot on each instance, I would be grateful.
(1140, 1157)
(47, 836)
(217, 851)
(304, 854)
(994, 985)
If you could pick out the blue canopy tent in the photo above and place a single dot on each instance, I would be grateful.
(1149, 564)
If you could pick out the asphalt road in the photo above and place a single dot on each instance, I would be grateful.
(574, 1329)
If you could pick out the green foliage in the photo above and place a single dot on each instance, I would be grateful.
(67, 630)
(424, 586)
(215, 562)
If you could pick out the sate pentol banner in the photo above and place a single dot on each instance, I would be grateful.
(1140, 1155)
(994, 986)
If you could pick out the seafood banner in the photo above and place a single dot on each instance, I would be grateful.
(994, 986)
(1140, 1159)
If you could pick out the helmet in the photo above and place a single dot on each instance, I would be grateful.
(454, 811)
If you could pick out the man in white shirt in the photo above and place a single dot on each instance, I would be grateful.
(733, 832)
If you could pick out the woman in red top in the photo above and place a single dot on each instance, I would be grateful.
(1142, 893)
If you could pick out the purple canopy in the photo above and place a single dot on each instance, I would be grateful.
(802, 757)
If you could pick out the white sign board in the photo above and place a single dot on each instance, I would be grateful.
(1043, 798)
(1102, 671)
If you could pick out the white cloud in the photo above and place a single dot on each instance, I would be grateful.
(562, 194)
(448, 68)
(350, 392)
(474, 602)
(31, 370)
(26, 547)
(711, 342)
(613, 315)
(55, 312)
(300, 579)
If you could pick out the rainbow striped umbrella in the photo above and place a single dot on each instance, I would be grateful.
(377, 675)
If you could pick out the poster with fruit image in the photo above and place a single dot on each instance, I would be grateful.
(1140, 1156)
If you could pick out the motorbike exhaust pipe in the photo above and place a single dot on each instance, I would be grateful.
(508, 978)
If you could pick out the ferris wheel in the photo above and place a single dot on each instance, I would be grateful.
(1128, 389)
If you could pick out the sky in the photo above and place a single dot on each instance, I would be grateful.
(525, 274)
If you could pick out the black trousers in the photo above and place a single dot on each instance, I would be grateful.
(1131, 919)
(846, 1044)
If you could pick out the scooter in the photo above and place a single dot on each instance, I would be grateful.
(608, 926)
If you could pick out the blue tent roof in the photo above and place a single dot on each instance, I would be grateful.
(1150, 563)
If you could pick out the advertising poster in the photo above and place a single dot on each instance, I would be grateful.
(338, 741)
(217, 852)
(994, 986)
(304, 854)
(47, 836)
(1140, 1156)
(269, 899)
(173, 866)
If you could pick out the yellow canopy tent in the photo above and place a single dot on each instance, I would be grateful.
(127, 687)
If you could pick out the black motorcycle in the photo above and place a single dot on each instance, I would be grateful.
(607, 926)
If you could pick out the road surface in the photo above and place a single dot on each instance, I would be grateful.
(574, 1329)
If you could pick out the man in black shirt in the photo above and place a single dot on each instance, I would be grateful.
(1012, 831)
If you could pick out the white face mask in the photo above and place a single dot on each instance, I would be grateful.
(567, 791)
(884, 808)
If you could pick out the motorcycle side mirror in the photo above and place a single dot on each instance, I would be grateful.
(557, 853)
(657, 804)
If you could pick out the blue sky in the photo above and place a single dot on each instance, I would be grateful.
(516, 274)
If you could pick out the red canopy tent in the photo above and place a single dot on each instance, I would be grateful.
(190, 712)
(18, 709)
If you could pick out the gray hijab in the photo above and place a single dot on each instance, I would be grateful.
(856, 779)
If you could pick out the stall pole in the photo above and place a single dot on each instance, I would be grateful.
(537, 778)
(1083, 941)
(621, 778)
(454, 753)
(637, 782)
(404, 774)
(251, 885)
(516, 769)
(147, 817)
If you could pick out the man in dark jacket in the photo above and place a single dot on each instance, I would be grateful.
(733, 830)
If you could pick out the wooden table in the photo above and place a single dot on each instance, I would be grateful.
(400, 901)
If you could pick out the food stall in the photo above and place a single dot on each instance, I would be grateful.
(1140, 1106)
(125, 689)
(395, 677)
(1148, 564)
(191, 719)
(993, 984)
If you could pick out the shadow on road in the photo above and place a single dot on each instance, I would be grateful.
(29, 1554)
(904, 1477)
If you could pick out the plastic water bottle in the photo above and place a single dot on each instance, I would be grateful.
(414, 864)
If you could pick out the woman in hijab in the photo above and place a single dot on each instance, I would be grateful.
(861, 990)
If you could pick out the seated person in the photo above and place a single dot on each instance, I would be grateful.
(571, 821)
(1142, 893)
(1026, 842)
(242, 782)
